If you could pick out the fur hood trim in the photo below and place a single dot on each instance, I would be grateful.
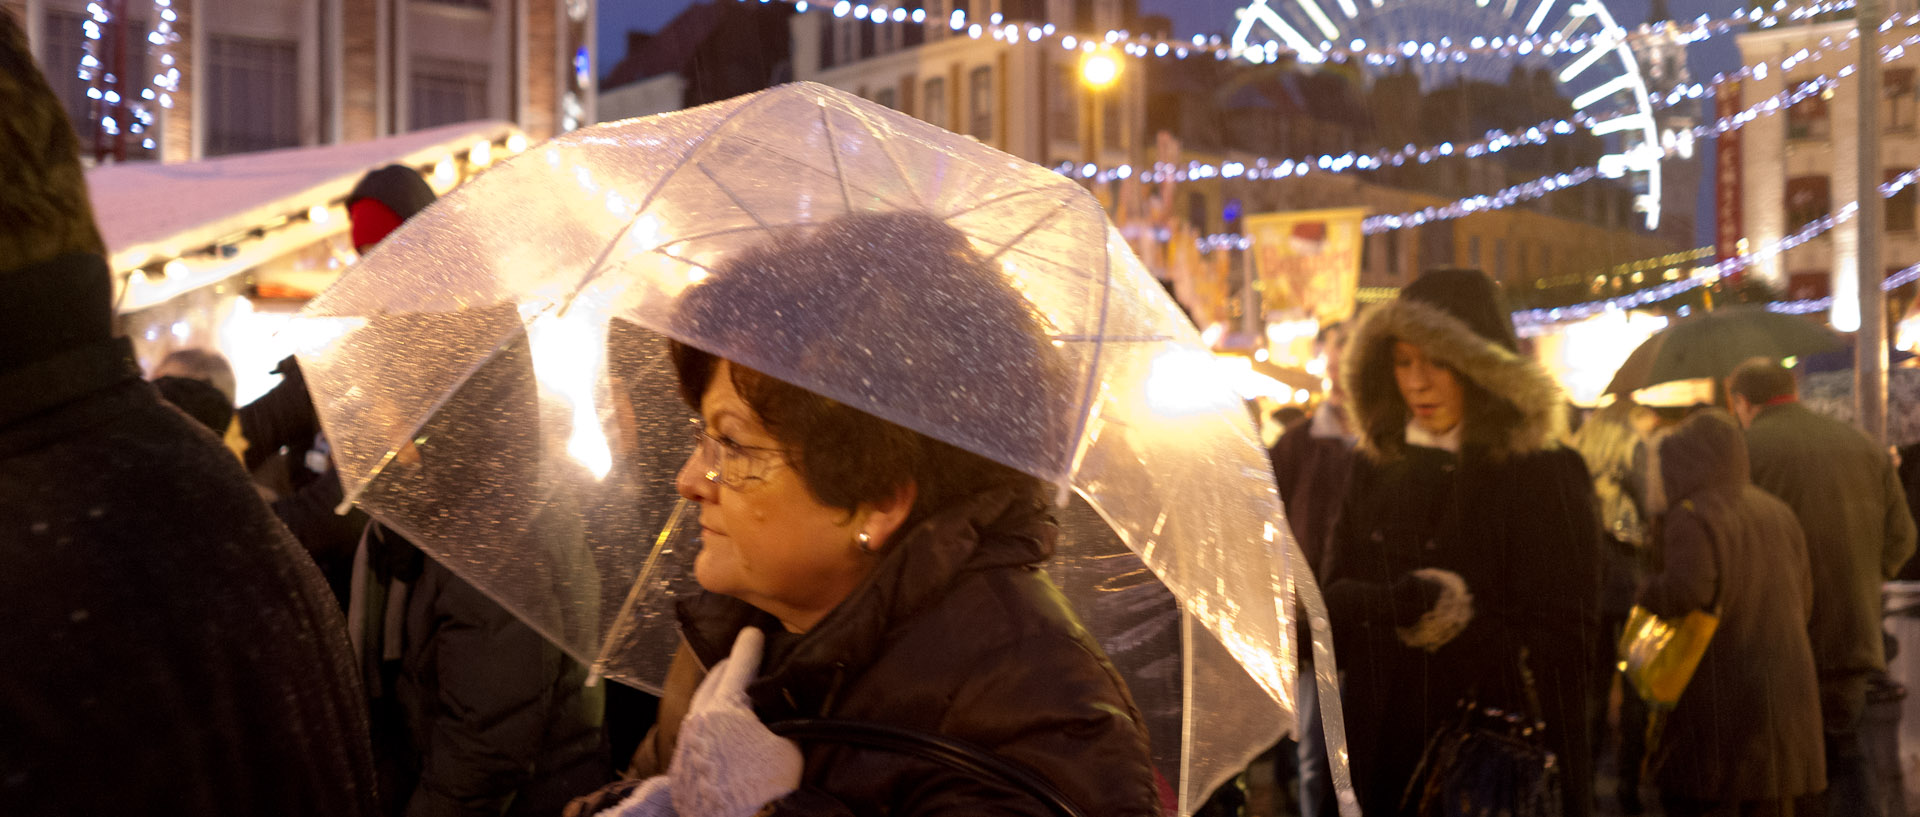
(1534, 417)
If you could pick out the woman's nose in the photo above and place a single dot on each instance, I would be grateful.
(692, 481)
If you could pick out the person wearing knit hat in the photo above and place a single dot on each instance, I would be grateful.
(383, 200)
(1466, 544)
(168, 646)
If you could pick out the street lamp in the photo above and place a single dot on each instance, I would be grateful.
(1099, 70)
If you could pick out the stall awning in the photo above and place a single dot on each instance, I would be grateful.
(225, 215)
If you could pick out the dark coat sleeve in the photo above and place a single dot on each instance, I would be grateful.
(283, 416)
(1549, 564)
(1690, 573)
(1356, 570)
(496, 680)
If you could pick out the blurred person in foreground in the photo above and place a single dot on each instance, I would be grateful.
(1745, 738)
(1311, 464)
(1847, 495)
(1466, 543)
(854, 569)
(168, 647)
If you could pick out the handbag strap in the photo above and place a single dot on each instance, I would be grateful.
(938, 749)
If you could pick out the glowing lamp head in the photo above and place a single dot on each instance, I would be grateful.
(1100, 70)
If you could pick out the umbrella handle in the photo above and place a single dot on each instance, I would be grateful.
(938, 749)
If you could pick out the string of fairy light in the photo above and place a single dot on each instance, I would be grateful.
(1444, 50)
(105, 86)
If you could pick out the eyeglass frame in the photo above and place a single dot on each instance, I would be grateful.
(716, 450)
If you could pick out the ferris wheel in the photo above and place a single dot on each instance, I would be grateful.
(1578, 40)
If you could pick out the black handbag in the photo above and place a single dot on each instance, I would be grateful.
(1489, 762)
(938, 749)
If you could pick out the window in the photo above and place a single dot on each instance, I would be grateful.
(1806, 286)
(1063, 103)
(252, 95)
(64, 46)
(829, 41)
(1897, 91)
(1807, 120)
(1392, 240)
(886, 97)
(1807, 199)
(867, 46)
(471, 4)
(980, 104)
(446, 92)
(933, 104)
(1900, 208)
(1499, 259)
(1473, 251)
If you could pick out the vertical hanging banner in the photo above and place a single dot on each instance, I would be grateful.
(1308, 261)
(1726, 177)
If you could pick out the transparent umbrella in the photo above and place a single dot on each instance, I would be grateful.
(495, 384)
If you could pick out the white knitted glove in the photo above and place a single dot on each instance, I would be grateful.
(727, 763)
(654, 798)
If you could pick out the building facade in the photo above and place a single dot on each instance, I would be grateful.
(1803, 164)
(268, 74)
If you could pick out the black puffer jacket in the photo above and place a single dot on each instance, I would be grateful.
(167, 645)
(480, 715)
(956, 633)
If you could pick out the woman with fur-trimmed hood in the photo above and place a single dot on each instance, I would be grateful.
(1466, 540)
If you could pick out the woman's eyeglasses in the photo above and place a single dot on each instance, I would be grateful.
(730, 463)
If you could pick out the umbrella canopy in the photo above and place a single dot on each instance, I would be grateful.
(1711, 344)
(1831, 393)
(495, 383)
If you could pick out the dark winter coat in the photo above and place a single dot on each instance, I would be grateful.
(480, 715)
(1848, 498)
(1512, 514)
(1311, 468)
(956, 633)
(167, 645)
(1748, 726)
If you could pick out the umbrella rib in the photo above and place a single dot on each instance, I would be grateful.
(1050, 215)
(981, 205)
(598, 267)
(1093, 366)
(886, 148)
(833, 150)
(428, 415)
(702, 167)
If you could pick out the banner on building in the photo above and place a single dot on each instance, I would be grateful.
(1308, 261)
(1728, 229)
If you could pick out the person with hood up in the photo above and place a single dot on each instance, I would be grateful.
(1745, 738)
(168, 647)
(1467, 541)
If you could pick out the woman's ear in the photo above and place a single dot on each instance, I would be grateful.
(883, 518)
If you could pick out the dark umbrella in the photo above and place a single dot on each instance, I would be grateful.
(1711, 344)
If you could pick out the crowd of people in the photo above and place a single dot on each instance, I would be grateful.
(194, 629)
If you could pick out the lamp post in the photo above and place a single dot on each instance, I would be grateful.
(1099, 70)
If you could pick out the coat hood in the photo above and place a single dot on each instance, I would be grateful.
(1706, 451)
(1530, 410)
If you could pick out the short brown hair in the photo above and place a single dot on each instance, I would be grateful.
(811, 298)
(1761, 380)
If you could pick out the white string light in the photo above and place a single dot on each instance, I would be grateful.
(160, 87)
(1444, 50)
